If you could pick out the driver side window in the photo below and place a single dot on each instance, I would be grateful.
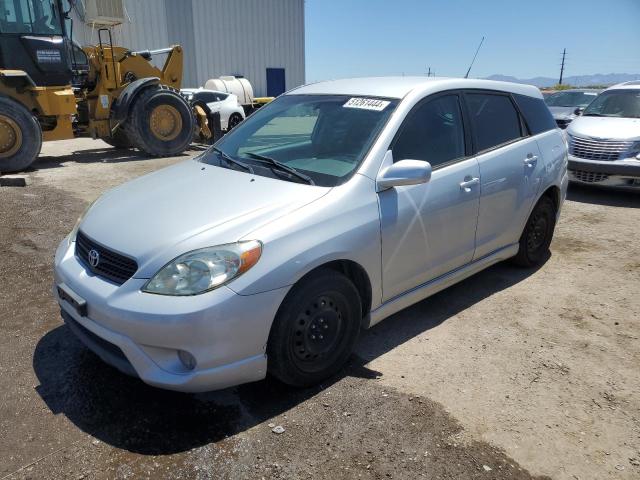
(433, 132)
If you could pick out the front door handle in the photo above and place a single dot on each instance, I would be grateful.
(468, 183)
(531, 160)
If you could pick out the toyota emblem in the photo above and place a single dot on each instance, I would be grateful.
(94, 258)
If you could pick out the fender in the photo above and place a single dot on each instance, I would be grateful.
(120, 107)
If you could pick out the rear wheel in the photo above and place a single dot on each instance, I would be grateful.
(20, 136)
(315, 329)
(234, 120)
(537, 234)
(160, 122)
(118, 139)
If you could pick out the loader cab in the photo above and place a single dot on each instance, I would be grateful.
(33, 39)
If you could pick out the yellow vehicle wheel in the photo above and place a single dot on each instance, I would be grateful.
(166, 122)
(10, 137)
(20, 136)
(160, 122)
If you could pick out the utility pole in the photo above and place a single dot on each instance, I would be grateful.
(429, 72)
(564, 53)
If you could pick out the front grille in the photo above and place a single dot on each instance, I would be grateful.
(589, 177)
(111, 265)
(598, 149)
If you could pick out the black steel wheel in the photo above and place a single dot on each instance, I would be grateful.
(234, 121)
(315, 329)
(537, 234)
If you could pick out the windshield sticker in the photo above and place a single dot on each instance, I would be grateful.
(367, 104)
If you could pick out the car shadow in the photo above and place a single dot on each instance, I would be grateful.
(128, 414)
(604, 196)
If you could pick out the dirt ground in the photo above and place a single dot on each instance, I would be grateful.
(510, 374)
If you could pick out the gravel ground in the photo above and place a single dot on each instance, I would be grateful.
(510, 374)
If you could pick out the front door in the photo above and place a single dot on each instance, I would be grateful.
(429, 229)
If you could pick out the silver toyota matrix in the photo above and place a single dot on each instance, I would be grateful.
(328, 210)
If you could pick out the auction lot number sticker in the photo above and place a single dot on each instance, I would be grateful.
(366, 104)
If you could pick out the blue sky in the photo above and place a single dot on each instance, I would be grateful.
(524, 38)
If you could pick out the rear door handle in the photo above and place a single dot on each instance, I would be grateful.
(531, 160)
(467, 184)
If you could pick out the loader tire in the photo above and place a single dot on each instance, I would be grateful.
(20, 136)
(160, 122)
(119, 140)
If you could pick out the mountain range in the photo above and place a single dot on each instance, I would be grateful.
(577, 80)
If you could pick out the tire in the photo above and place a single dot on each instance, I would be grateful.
(20, 136)
(537, 234)
(160, 122)
(326, 302)
(233, 121)
(118, 140)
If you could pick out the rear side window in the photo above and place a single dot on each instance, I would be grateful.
(205, 97)
(495, 119)
(536, 114)
(432, 132)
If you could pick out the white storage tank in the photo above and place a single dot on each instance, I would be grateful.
(239, 86)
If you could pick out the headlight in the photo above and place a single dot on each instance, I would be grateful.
(205, 269)
(635, 151)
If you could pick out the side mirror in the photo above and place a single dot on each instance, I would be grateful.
(404, 172)
(578, 111)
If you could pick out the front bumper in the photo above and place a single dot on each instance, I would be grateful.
(141, 333)
(616, 173)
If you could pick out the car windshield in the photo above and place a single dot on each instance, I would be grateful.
(323, 137)
(570, 99)
(38, 17)
(616, 103)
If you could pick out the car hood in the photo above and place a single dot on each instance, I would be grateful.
(562, 112)
(607, 128)
(190, 205)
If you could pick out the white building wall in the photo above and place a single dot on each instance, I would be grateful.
(242, 37)
(248, 36)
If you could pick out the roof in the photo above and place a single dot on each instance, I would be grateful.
(399, 87)
(633, 85)
(597, 90)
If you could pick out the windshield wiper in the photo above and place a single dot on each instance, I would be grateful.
(232, 160)
(594, 115)
(281, 166)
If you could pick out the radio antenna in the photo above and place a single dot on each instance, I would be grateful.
(474, 58)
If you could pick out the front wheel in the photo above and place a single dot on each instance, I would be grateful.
(315, 329)
(160, 122)
(537, 234)
(20, 136)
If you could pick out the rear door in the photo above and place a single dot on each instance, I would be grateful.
(510, 169)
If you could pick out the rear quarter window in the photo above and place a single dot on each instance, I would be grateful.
(536, 114)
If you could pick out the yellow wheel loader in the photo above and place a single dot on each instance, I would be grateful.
(51, 89)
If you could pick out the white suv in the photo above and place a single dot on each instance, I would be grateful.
(604, 142)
